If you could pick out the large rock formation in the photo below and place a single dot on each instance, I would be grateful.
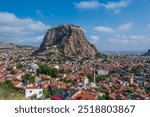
(147, 53)
(67, 40)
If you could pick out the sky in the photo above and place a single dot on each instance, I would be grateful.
(111, 25)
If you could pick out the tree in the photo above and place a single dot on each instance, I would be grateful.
(103, 97)
(54, 72)
(13, 72)
(30, 78)
(54, 90)
(137, 70)
(9, 69)
(90, 78)
(46, 94)
(126, 68)
(19, 66)
(9, 83)
(33, 97)
(45, 69)
(99, 78)
(62, 71)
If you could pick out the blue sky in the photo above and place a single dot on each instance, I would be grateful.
(109, 24)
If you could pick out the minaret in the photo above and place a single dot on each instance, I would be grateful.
(6, 63)
(94, 75)
(33, 60)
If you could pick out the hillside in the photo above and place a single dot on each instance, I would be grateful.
(9, 93)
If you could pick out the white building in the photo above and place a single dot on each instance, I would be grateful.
(102, 72)
(30, 91)
(56, 66)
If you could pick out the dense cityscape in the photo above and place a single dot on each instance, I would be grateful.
(112, 77)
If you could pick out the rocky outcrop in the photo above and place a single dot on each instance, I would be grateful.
(147, 53)
(67, 40)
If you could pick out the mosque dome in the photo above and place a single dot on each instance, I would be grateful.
(92, 84)
(34, 66)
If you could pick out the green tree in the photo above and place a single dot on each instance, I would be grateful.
(9, 83)
(45, 69)
(90, 78)
(54, 72)
(103, 97)
(62, 71)
(19, 66)
(101, 77)
(9, 69)
(46, 93)
(13, 72)
(30, 78)
(33, 97)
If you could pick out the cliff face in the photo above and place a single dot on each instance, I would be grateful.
(147, 53)
(68, 40)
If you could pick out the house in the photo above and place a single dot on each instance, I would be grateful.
(102, 72)
(62, 75)
(18, 76)
(64, 94)
(32, 68)
(17, 84)
(30, 91)
(112, 96)
(55, 66)
(85, 95)
(82, 79)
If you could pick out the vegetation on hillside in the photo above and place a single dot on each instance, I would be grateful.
(8, 92)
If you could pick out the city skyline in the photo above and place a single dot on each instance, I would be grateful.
(110, 25)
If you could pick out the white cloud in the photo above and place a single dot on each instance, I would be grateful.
(117, 11)
(103, 29)
(117, 5)
(95, 38)
(87, 5)
(122, 27)
(94, 4)
(39, 13)
(148, 25)
(128, 39)
(128, 42)
(119, 41)
(14, 29)
(36, 40)
(125, 26)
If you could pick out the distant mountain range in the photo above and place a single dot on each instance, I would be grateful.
(123, 53)
(13, 46)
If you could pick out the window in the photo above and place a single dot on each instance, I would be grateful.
(40, 92)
